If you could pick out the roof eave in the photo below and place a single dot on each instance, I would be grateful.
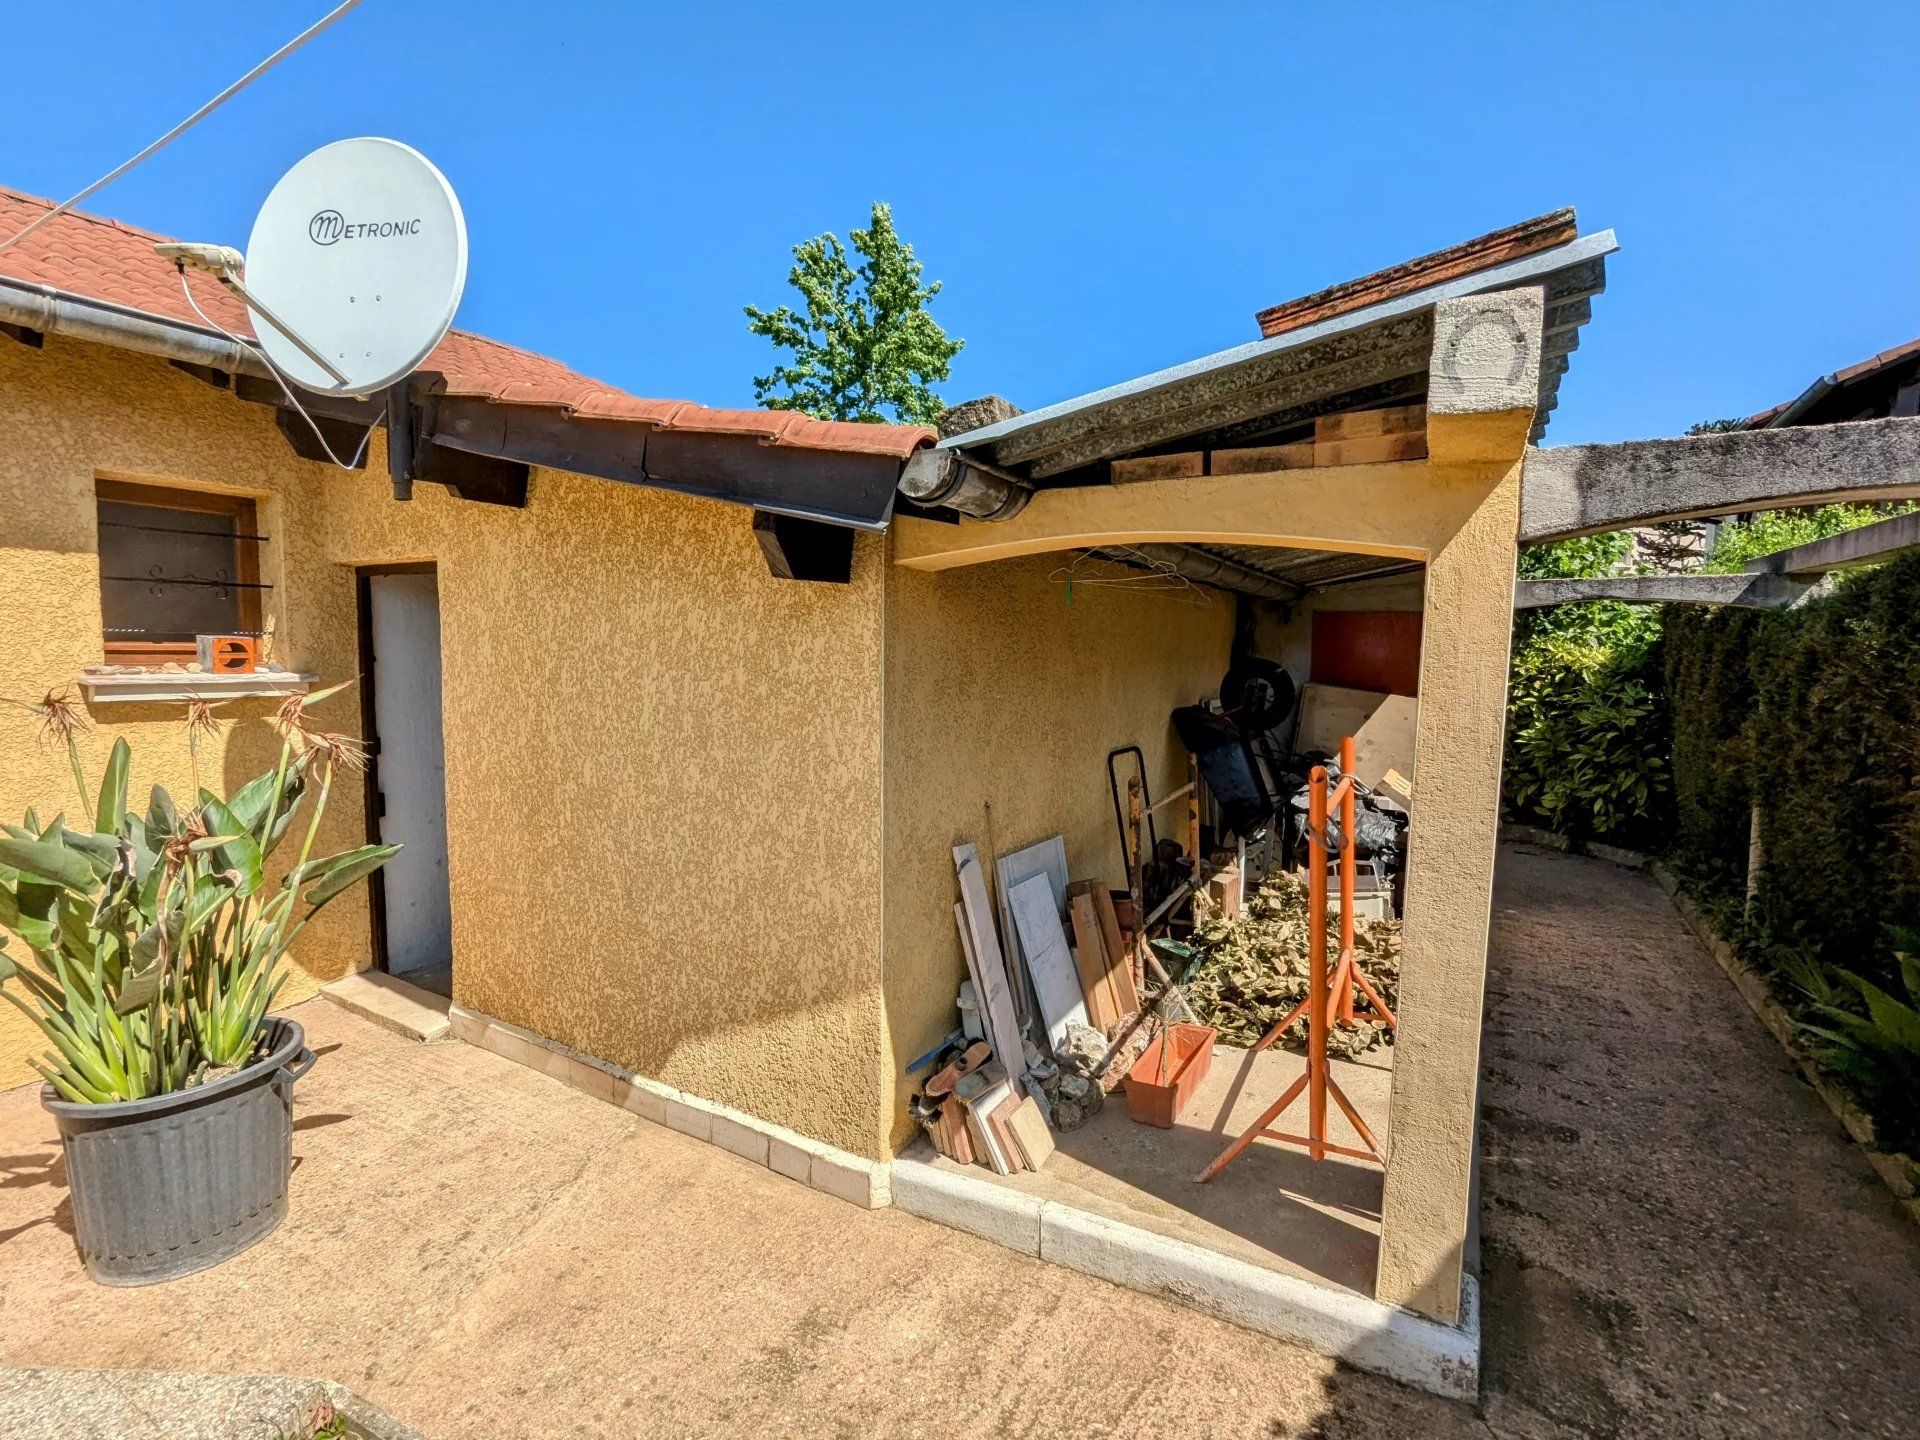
(1504, 276)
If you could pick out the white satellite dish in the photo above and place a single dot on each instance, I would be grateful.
(355, 266)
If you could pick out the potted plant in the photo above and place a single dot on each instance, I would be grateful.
(156, 943)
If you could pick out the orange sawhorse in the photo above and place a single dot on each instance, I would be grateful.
(1328, 997)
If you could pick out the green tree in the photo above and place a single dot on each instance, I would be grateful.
(864, 346)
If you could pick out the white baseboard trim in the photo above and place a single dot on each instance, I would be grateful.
(822, 1167)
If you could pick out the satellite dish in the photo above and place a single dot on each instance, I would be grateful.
(355, 266)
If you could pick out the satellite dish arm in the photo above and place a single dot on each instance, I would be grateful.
(223, 263)
(285, 329)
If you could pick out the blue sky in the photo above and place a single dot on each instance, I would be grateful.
(1103, 188)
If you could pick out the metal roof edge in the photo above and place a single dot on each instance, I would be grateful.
(1587, 247)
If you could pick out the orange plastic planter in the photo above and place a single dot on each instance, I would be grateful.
(1153, 1103)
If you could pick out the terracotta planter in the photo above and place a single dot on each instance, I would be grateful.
(1156, 1100)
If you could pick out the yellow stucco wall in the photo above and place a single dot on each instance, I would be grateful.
(70, 414)
(663, 791)
(998, 689)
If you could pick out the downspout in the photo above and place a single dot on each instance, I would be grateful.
(1805, 401)
(1208, 569)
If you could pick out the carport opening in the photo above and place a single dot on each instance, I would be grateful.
(1317, 647)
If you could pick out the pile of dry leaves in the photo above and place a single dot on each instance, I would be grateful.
(1255, 969)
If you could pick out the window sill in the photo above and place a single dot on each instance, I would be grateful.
(178, 685)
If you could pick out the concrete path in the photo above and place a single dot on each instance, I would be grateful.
(1678, 1238)
(1678, 1242)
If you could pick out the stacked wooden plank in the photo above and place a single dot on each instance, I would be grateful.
(1356, 437)
(1034, 993)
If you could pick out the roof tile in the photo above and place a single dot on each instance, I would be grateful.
(105, 260)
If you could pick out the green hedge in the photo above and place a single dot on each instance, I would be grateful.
(1815, 713)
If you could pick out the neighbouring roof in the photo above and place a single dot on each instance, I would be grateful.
(103, 260)
(1873, 389)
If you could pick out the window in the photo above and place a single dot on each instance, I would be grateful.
(174, 564)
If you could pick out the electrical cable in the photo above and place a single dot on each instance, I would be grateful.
(187, 124)
(285, 388)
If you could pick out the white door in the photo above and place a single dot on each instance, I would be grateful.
(411, 761)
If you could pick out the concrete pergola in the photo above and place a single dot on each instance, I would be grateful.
(1787, 577)
(1489, 348)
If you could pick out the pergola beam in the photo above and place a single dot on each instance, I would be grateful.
(1587, 489)
(1868, 545)
(1751, 592)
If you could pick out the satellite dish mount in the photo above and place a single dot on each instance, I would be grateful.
(352, 274)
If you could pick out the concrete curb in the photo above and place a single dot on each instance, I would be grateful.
(1896, 1171)
(1385, 1339)
(978, 1207)
(819, 1166)
(1598, 850)
(56, 1403)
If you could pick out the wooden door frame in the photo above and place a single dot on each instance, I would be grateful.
(363, 576)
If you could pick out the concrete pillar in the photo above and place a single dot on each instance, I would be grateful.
(1482, 393)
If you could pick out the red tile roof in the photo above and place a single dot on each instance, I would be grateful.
(1529, 237)
(102, 259)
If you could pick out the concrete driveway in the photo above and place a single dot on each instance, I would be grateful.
(1678, 1242)
(484, 1252)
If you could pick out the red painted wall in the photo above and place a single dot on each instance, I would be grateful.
(1367, 650)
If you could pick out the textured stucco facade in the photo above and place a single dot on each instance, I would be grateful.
(663, 765)
(699, 819)
(71, 414)
(1003, 687)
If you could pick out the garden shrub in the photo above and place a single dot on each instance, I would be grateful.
(1774, 530)
(1587, 735)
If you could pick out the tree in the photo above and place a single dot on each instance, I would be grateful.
(865, 348)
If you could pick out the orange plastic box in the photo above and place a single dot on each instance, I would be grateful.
(1152, 1103)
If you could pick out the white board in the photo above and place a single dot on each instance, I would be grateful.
(989, 969)
(1056, 981)
(1048, 858)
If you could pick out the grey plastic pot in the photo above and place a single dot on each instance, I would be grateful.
(170, 1185)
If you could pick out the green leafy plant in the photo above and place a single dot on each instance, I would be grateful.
(1586, 744)
(1879, 1051)
(1776, 530)
(1587, 728)
(155, 941)
(864, 347)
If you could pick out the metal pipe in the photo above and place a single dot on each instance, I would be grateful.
(936, 477)
(57, 312)
(1204, 569)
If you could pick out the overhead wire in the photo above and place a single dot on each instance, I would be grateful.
(285, 389)
(187, 124)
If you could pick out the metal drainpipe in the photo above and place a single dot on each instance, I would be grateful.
(54, 312)
(1205, 569)
(936, 477)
